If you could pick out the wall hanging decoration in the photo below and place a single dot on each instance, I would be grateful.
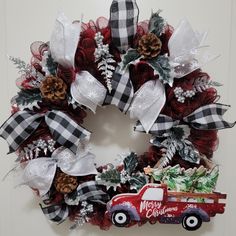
(150, 72)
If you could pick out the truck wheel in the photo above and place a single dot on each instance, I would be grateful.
(120, 218)
(192, 222)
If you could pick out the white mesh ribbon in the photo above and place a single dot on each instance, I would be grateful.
(64, 40)
(88, 91)
(186, 49)
(147, 103)
(39, 173)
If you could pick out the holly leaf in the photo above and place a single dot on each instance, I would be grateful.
(25, 97)
(162, 67)
(51, 65)
(130, 163)
(138, 181)
(112, 176)
(130, 56)
(156, 24)
(189, 153)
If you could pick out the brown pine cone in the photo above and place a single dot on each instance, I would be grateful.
(65, 183)
(53, 88)
(149, 46)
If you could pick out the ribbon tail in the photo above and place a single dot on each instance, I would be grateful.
(65, 131)
(209, 117)
(19, 127)
(123, 21)
(56, 213)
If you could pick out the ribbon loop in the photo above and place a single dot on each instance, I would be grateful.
(19, 127)
(147, 103)
(64, 40)
(123, 21)
(83, 94)
(122, 91)
(65, 130)
(187, 52)
(56, 213)
(91, 191)
(208, 117)
(39, 173)
(88, 191)
(22, 124)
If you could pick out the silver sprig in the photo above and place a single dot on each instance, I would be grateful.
(200, 85)
(83, 215)
(21, 65)
(33, 149)
(43, 63)
(28, 71)
(203, 83)
(104, 59)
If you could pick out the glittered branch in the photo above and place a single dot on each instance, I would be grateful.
(104, 60)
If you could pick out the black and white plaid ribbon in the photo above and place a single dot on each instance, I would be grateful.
(209, 117)
(122, 91)
(21, 125)
(91, 191)
(56, 213)
(88, 191)
(123, 21)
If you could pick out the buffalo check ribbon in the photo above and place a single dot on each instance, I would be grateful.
(122, 91)
(123, 22)
(144, 105)
(56, 213)
(91, 191)
(22, 124)
(88, 191)
(209, 117)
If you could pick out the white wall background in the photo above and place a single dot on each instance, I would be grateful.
(25, 21)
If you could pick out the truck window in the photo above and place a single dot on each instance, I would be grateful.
(153, 194)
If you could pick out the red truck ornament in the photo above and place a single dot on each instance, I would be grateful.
(155, 203)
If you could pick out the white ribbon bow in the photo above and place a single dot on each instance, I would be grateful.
(147, 103)
(39, 173)
(88, 91)
(64, 40)
(187, 52)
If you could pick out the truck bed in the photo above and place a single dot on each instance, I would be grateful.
(193, 197)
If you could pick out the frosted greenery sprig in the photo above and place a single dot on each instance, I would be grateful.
(104, 59)
(21, 65)
(200, 85)
(176, 142)
(28, 71)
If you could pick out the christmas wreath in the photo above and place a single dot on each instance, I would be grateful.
(147, 70)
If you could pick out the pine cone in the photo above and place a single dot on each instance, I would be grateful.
(65, 183)
(149, 46)
(53, 88)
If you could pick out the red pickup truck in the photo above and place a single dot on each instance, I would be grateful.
(155, 203)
